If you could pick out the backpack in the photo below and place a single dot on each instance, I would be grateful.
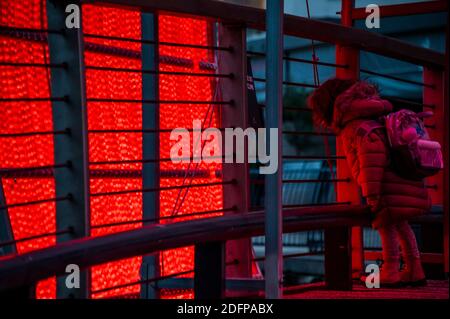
(413, 154)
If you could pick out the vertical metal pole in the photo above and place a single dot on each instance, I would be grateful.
(73, 148)
(274, 118)
(338, 271)
(446, 146)
(235, 115)
(349, 191)
(6, 233)
(432, 240)
(209, 278)
(150, 146)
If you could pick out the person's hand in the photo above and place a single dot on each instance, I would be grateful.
(387, 105)
(374, 203)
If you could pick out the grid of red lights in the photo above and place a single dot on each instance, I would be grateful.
(17, 117)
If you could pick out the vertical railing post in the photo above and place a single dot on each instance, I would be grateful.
(338, 275)
(6, 233)
(150, 145)
(446, 119)
(349, 191)
(70, 148)
(209, 277)
(236, 115)
(274, 119)
(434, 95)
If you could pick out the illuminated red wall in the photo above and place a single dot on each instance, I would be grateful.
(37, 116)
(18, 117)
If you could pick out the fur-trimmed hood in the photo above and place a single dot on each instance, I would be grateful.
(360, 101)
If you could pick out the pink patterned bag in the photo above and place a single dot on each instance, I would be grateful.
(414, 155)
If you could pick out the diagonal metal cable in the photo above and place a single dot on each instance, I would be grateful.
(179, 204)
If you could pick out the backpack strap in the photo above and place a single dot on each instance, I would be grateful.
(367, 127)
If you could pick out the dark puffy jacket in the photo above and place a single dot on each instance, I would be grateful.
(391, 197)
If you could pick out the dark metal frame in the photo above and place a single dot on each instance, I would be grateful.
(237, 195)
(405, 9)
(293, 26)
(92, 251)
(274, 120)
(150, 145)
(72, 148)
(6, 234)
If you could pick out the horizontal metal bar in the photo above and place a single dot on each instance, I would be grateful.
(139, 101)
(297, 26)
(143, 71)
(313, 157)
(425, 258)
(317, 204)
(137, 173)
(256, 208)
(4, 28)
(288, 256)
(21, 240)
(331, 180)
(14, 135)
(160, 43)
(156, 220)
(157, 160)
(287, 83)
(308, 133)
(33, 266)
(158, 189)
(397, 10)
(112, 173)
(34, 99)
(303, 181)
(19, 171)
(115, 173)
(37, 202)
(146, 281)
(387, 76)
(405, 101)
(151, 130)
(291, 59)
(36, 65)
(295, 109)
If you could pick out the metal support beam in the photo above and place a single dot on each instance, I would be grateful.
(293, 25)
(433, 235)
(6, 233)
(209, 278)
(446, 118)
(338, 255)
(235, 115)
(349, 191)
(69, 148)
(405, 9)
(30, 267)
(274, 119)
(150, 146)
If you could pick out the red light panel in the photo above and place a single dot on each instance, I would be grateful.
(19, 117)
(37, 116)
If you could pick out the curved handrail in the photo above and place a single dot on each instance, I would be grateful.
(22, 270)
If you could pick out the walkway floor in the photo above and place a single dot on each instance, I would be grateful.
(435, 289)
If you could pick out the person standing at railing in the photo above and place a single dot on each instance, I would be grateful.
(353, 109)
